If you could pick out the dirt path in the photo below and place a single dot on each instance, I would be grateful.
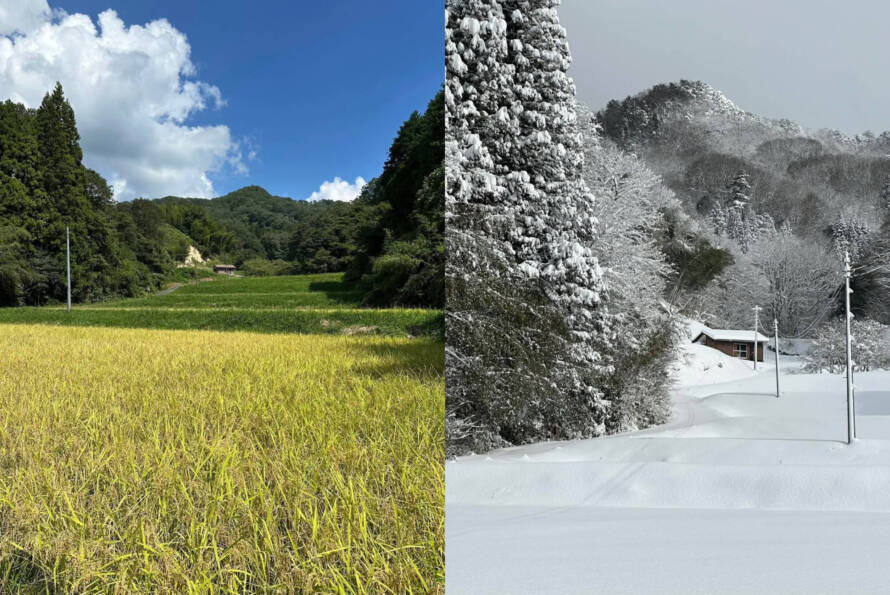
(170, 289)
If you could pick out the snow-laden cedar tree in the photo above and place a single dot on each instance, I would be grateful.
(506, 345)
(735, 218)
(885, 197)
(513, 180)
(850, 234)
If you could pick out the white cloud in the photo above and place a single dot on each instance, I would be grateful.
(22, 16)
(132, 89)
(338, 190)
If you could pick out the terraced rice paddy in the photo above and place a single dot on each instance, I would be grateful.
(319, 304)
(143, 460)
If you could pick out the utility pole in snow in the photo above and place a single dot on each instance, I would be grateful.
(851, 410)
(757, 310)
(776, 331)
(68, 262)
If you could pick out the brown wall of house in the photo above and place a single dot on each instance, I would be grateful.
(727, 348)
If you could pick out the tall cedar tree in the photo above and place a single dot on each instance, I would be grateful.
(517, 207)
(45, 188)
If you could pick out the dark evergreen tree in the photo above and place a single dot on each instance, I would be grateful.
(401, 253)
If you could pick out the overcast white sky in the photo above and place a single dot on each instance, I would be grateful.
(823, 64)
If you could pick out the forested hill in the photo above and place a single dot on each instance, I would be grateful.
(250, 223)
(698, 140)
(388, 241)
(390, 238)
(783, 202)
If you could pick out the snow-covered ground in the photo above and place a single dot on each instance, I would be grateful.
(741, 492)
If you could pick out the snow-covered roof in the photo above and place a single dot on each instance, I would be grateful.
(723, 334)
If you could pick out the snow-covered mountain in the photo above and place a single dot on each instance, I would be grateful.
(697, 139)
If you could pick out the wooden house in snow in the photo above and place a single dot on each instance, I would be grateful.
(735, 343)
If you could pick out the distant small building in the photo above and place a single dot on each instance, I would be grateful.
(734, 343)
(224, 269)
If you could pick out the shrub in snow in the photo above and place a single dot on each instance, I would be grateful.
(871, 348)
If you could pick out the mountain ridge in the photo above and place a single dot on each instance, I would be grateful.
(697, 139)
(668, 99)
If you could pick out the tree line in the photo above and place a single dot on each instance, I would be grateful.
(389, 241)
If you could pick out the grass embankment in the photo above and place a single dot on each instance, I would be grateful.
(150, 461)
(318, 304)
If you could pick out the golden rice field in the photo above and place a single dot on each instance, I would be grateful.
(168, 461)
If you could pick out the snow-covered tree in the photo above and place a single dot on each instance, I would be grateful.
(850, 235)
(801, 278)
(514, 191)
(630, 211)
(727, 301)
(885, 195)
(735, 219)
(739, 191)
(871, 347)
(505, 353)
(793, 279)
(884, 202)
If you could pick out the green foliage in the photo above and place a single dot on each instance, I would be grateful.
(191, 217)
(44, 188)
(401, 255)
(124, 249)
(259, 267)
(698, 264)
(341, 321)
(695, 261)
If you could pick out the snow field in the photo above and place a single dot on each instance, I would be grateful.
(741, 492)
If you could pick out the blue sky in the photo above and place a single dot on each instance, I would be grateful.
(316, 89)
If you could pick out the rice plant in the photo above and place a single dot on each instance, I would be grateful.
(153, 461)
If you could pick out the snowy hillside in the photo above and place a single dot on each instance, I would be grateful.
(723, 495)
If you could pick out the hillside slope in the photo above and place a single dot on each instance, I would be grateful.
(698, 139)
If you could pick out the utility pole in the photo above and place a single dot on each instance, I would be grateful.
(68, 261)
(757, 310)
(776, 335)
(851, 410)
